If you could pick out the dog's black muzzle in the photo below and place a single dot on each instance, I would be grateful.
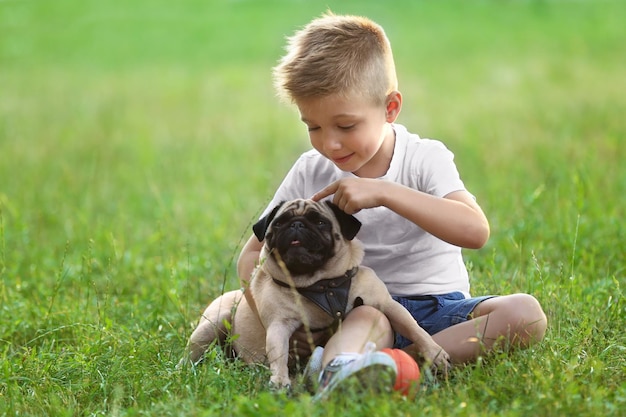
(301, 245)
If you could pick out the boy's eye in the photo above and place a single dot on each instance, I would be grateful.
(312, 129)
(346, 127)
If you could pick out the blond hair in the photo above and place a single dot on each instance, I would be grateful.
(337, 54)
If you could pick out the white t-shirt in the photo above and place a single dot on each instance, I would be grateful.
(409, 260)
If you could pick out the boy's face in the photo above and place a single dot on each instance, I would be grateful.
(352, 132)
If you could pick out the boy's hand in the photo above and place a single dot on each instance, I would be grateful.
(354, 194)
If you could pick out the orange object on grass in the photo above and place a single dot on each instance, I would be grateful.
(407, 379)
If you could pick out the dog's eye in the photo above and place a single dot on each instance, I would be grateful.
(277, 225)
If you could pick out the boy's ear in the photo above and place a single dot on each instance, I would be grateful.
(393, 106)
(260, 227)
(348, 224)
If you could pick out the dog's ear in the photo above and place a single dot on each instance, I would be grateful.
(349, 224)
(260, 227)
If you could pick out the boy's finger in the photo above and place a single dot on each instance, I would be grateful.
(329, 190)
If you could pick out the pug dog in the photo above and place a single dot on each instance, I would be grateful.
(309, 275)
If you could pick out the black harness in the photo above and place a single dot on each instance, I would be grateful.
(331, 295)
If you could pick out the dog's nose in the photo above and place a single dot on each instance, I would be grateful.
(297, 225)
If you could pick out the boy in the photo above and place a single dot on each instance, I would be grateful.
(416, 213)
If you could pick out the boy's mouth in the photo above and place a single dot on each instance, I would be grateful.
(343, 159)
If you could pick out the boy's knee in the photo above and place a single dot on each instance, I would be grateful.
(520, 315)
(528, 306)
(363, 324)
(527, 312)
(365, 312)
(370, 316)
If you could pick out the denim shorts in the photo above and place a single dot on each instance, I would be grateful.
(437, 312)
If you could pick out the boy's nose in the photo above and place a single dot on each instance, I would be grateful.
(331, 142)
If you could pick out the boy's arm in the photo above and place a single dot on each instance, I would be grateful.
(455, 218)
(248, 260)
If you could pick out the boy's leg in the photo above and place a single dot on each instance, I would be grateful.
(362, 325)
(350, 354)
(516, 320)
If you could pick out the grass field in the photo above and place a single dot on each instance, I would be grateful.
(139, 140)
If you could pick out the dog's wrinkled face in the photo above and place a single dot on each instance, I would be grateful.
(303, 234)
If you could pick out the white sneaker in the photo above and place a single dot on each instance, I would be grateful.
(375, 371)
(313, 366)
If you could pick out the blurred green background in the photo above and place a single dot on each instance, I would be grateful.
(140, 139)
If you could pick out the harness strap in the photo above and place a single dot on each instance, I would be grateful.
(331, 295)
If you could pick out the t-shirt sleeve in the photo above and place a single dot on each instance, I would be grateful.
(436, 173)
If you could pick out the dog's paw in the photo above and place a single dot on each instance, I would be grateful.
(279, 383)
(183, 363)
(439, 360)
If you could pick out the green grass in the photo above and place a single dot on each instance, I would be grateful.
(139, 140)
